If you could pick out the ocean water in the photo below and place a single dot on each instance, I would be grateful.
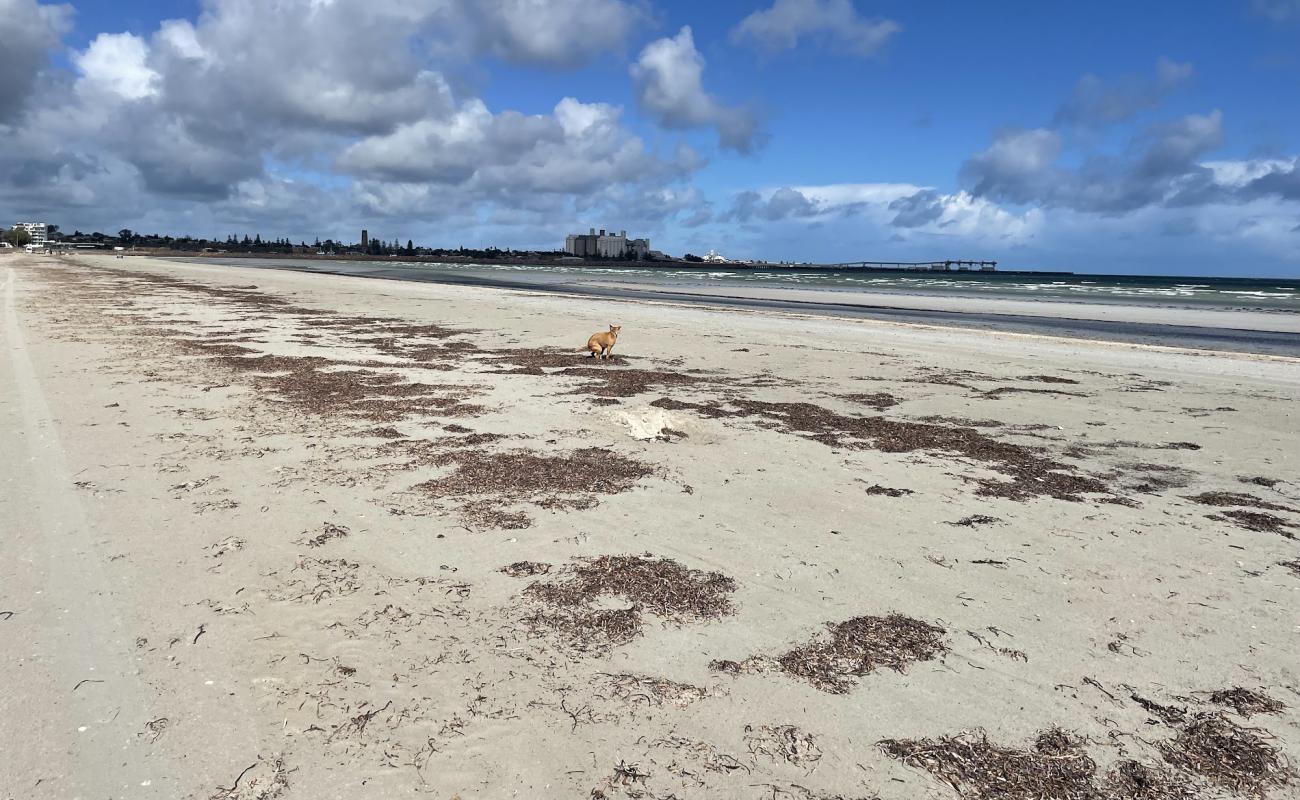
(1280, 295)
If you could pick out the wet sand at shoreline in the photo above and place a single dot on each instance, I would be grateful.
(286, 535)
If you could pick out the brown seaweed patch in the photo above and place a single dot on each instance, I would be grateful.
(609, 381)
(1227, 499)
(1032, 473)
(877, 489)
(488, 515)
(1259, 521)
(646, 690)
(878, 400)
(854, 648)
(1246, 702)
(975, 520)
(994, 394)
(1293, 565)
(522, 569)
(1227, 755)
(660, 586)
(1057, 768)
(1047, 379)
(1260, 480)
(529, 474)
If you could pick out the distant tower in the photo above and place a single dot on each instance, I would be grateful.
(365, 239)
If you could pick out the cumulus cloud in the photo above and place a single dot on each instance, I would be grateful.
(901, 206)
(28, 34)
(668, 77)
(363, 117)
(561, 34)
(1160, 166)
(782, 26)
(1096, 103)
(579, 147)
(115, 65)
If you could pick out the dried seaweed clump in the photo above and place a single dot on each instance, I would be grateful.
(660, 586)
(650, 691)
(1228, 755)
(1260, 521)
(521, 569)
(855, 648)
(1032, 474)
(878, 400)
(1057, 768)
(1245, 702)
(1293, 565)
(485, 515)
(1229, 499)
(571, 480)
(623, 382)
(877, 489)
(526, 474)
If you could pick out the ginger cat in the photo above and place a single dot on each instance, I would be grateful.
(601, 345)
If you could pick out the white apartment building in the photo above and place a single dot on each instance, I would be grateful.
(605, 245)
(38, 231)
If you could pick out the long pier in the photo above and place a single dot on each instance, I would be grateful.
(948, 265)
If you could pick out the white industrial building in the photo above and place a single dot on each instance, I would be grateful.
(606, 245)
(38, 231)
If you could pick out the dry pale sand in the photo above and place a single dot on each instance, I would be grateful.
(255, 525)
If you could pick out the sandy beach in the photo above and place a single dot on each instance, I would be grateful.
(278, 535)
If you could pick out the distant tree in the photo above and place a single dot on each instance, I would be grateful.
(17, 237)
(257, 240)
(693, 257)
(126, 234)
(410, 247)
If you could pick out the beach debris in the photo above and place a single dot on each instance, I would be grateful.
(624, 382)
(521, 569)
(328, 531)
(877, 489)
(488, 515)
(566, 481)
(1057, 768)
(1170, 715)
(1032, 473)
(269, 779)
(1260, 521)
(643, 689)
(1267, 483)
(1228, 755)
(1293, 565)
(853, 649)
(659, 586)
(974, 520)
(1000, 391)
(1246, 702)
(1229, 499)
(877, 400)
(1047, 379)
(782, 743)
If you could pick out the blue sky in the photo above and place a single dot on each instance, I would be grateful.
(1155, 137)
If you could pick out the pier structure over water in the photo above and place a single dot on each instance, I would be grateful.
(949, 265)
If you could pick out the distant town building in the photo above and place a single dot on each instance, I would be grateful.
(38, 231)
(365, 239)
(606, 245)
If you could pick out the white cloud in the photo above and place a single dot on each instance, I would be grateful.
(115, 63)
(670, 88)
(837, 21)
(552, 33)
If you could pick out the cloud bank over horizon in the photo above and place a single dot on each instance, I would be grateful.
(510, 122)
